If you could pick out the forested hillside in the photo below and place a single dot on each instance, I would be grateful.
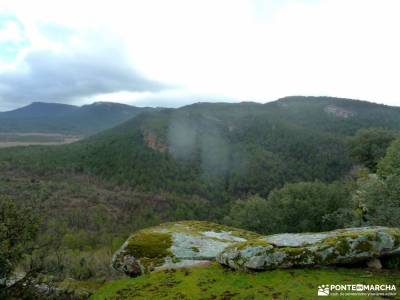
(66, 119)
(220, 150)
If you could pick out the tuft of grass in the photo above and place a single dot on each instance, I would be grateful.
(216, 282)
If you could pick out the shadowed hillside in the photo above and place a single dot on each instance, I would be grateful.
(67, 119)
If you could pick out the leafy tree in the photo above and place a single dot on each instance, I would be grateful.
(390, 164)
(368, 146)
(378, 197)
(253, 214)
(297, 207)
(301, 207)
(379, 200)
(18, 229)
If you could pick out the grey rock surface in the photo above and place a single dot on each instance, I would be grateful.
(345, 246)
(176, 245)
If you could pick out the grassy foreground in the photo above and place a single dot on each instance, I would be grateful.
(216, 282)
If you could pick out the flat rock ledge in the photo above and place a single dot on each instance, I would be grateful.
(189, 243)
(176, 245)
(344, 246)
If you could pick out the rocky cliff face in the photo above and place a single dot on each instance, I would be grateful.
(152, 141)
(187, 243)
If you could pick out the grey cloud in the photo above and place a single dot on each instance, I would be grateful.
(47, 75)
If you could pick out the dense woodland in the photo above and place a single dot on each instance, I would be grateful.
(295, 165)
(40, 117)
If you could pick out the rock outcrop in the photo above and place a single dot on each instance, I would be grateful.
(176, 245)
(187, 243)
(153, 141)
(339, 111)
(345, 246)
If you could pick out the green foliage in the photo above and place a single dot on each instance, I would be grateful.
(222, 151)
(253, 214)
(379, 200)
(18, 229)
(391, 262)
(306, 206)
(377, 197)
(18, 232)
(368, 146)
(82, 270)
(86, 220)
(390, 164)
(77, 289)
(212, 150)
(298, 207)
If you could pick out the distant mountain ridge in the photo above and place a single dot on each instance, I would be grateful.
(38, 109)
(217, 150)
(67, 119)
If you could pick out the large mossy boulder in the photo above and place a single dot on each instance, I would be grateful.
(345, 246)
(188, 243)
(175, 245)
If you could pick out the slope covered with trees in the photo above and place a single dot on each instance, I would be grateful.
(220, 150)
(67, 119)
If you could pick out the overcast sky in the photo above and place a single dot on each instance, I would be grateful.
(171, 53)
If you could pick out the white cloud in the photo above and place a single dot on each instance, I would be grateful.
(231, 49)
(11, 32)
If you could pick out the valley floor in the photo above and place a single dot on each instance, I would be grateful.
(36, 138)
(216, 282)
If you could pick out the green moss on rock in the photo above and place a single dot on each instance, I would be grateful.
(195, 249)
(364, 246)
(199, 227)
(149, 244)
(299, 256)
